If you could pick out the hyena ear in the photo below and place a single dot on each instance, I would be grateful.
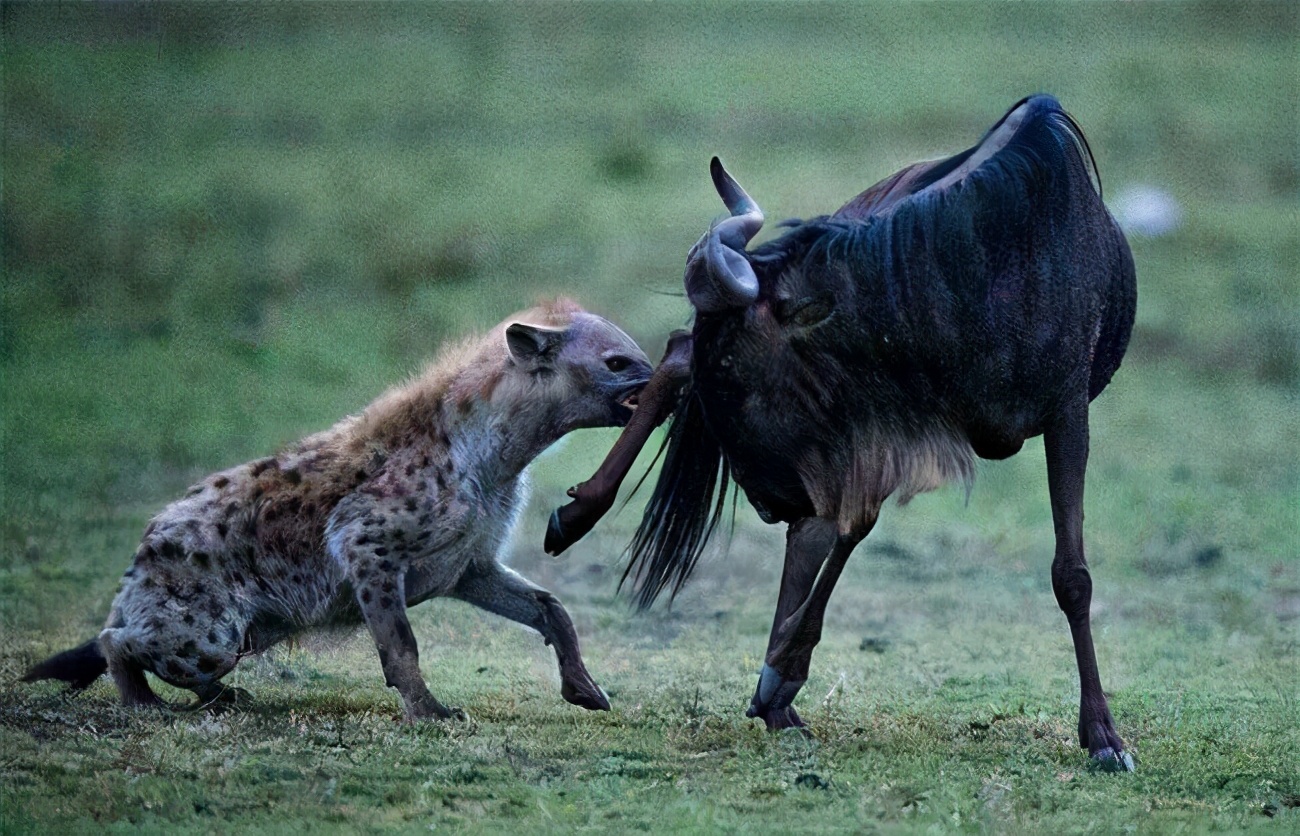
(533, 347)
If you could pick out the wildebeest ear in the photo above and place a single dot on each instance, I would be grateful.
(531, 346)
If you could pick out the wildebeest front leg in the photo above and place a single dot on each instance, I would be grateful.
(1066, 444)
(384, 609)
(811, 544)
(594, 497)
(500, 590)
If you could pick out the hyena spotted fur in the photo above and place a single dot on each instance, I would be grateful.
(411, 499)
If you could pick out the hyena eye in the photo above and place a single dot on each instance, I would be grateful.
(617, 364)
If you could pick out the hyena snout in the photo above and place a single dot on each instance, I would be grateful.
(595, 370)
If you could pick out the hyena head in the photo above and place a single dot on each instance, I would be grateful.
(588, 370)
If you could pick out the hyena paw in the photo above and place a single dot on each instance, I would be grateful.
(221, 698)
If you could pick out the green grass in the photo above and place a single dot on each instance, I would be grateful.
(227, 226)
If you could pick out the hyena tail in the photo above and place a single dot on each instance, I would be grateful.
(78, 667)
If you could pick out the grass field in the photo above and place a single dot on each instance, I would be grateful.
(226, 226)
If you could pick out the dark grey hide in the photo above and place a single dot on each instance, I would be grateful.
(952, 311)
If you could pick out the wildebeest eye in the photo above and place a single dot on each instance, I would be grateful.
(804, 312)
(617, 364)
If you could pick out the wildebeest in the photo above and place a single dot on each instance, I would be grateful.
(411, 499)
(951, 311)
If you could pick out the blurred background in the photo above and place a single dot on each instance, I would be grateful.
(228, 225)
(225, 226)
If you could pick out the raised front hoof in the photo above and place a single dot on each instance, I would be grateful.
(569, 524)
(586, 695)
(1111, 760)
(556, 539)
(779, 719)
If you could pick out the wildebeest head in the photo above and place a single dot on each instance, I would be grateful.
(762, 316)
(722, 278)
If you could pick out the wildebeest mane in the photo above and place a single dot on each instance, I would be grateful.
(1045, 145)
(685, 508)
(923, 244)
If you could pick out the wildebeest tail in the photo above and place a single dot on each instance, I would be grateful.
(685, 508)
(78, 667)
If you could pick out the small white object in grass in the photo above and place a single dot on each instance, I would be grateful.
(826, 700)
(1146, 210)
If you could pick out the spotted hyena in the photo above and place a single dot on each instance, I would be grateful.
(411, 499)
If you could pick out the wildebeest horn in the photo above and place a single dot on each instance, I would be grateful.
(718, 276)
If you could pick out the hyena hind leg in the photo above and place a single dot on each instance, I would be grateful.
(217, 696)
(127, 674)
(181, 664)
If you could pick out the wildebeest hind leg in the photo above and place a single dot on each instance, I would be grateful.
(811, 544)
(499, 590)
(1066, 444)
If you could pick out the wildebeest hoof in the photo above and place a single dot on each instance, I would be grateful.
(587, 694)
(1104, 745)
(772, 700)
(1112, 760)
(428, 708)
(773, 692)
(446, 715)
(777, 719)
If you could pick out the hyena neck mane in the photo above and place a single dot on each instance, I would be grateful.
(469, 406)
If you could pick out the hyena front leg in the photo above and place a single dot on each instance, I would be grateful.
(493, 587)
(383, 605)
